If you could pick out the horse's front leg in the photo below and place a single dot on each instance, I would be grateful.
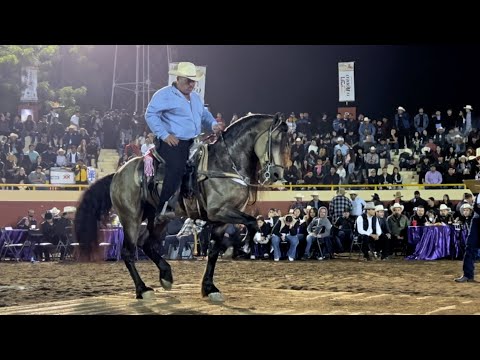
(208, 287)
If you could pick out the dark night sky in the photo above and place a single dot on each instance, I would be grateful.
(271, 78)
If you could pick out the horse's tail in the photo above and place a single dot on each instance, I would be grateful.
(95, 202)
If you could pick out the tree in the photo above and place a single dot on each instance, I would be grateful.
(12, 59)
(68, 97)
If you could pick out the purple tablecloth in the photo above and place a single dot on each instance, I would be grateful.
(436, 242)
(14, 236)
(113, 236)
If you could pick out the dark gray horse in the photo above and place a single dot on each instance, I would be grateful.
(251, 151)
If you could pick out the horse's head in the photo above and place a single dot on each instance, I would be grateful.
(271, 148)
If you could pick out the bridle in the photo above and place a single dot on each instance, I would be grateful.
(266, 171)
(269, 161)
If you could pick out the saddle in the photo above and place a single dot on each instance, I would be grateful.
(152, 186)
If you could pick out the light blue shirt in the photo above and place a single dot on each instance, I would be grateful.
(169, 112)
(343, 148)
(357, 206)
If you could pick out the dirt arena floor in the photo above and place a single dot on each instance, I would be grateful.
(339, 286)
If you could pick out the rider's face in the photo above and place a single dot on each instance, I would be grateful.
(185, 85)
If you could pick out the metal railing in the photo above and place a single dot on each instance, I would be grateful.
(42, 187)
(367, 187)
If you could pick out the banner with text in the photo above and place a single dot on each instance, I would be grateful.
(29, 82)
(346, 85)
(199, 85)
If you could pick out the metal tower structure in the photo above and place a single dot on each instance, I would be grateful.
(142, 86)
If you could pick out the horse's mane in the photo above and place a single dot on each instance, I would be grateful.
(236, 131)
(240, 125)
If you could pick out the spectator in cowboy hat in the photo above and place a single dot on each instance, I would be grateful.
(398, 199)
(315, 202)
(471, 249)
(55, 212)
(63, 227)
(357, 204)
(445, 218)
(398, 224)
(468, 120)
(13, 145)
(61, 159)
(383, 245)
(298, 203)
(368, 229)
(404, 126)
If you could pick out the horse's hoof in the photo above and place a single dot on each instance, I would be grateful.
(167, 285)
(216, 297)
(148, 295)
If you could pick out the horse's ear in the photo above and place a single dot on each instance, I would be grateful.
(278, 118)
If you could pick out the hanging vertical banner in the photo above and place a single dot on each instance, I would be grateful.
(199, 85)
(29, 82)
(346, 85)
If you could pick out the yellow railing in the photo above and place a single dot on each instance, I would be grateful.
(370, 187)
(42, 186)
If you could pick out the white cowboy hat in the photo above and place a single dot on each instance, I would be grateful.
(472, 157)
(373, 148)
(369, 206)
(340, 139)
(396, 206)
(315, 194)
(401, 108)
(444, 207)
(299, 196)
(398, 194)
(188, 70)
(60, 150)
(425, 149)
(298, 139)
(353, 192)
(466, 206)
(54, 211)
(477, 152)
(69, 209)
(468, 107)
(380, 208)
(13, 134)
(366, 119)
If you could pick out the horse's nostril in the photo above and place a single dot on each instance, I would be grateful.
(276, 176)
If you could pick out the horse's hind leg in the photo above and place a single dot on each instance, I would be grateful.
(130, 231)
(152, 248)
(208, 287)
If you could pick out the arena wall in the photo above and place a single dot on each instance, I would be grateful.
(15, 204)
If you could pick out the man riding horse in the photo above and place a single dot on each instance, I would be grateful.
(175, 115)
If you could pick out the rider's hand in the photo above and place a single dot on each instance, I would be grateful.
(171, 140)
(217, 128)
